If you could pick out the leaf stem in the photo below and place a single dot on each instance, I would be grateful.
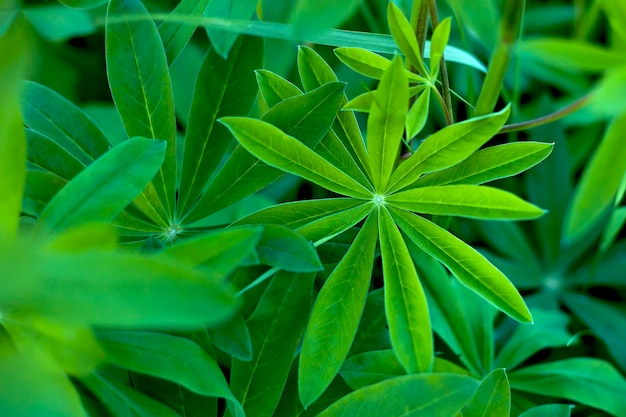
(445, 80)
(443, 105)
(552, 117)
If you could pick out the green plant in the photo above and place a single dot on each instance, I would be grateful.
(152, 275)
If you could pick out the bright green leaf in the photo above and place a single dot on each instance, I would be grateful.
(328, 227)
(492, 397)
(106, 187)
(404, 36)
(405, 303)
(438, 43)
(274, 88)
(335, 316)
(369, 64)
(418, 114)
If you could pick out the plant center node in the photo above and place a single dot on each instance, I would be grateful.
(171, 232)
(379, 200)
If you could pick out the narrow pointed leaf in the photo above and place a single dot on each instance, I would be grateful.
(276, 327)
(283, 248)
(106, 187)
(56, 118)
(404, 36)
(385, 124)
(589, 381)
(473, 201)
(492, 397)
(321, 230)
(423, 395)
(223, 88)
(553, 410)
(140, 85)
(405, 302)
(275, 148)
(274, 88)
(418, 114)
(169, 357)
(314, 72)
(306, 117)
(469, 266)
(299, 213)
(438, 43)
(371, 367)
(241, 10)
(47, 155)
(490, 164)
(335, 316)
(598, 185)
(176, 35)
(233, 337)
(369, 64)
(447, 147)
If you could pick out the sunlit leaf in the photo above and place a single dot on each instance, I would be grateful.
(492, 397)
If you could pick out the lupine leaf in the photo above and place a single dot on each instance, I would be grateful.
(437, 45)
(241, 10)
(176, 35)
(283, 248)
(492, 397)
(404, 36)
(274, 88)
(368, 63)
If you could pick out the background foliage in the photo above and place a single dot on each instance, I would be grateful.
(277, 208)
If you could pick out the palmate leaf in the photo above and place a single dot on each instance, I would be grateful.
(447, 147)
(223, 87)
(385, 124)
(169, 357)
(276, 327)
(471, 201)
(422, 395)
(326, 228)
(140, 85)
(492, 163)
(405, 302)
(106, 187)
(335, 316)
(470, 267)
(275, 148)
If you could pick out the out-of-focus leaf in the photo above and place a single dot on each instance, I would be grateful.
(553, 410)
(229, 10)
(335, 316)
(140, 85)
(233, 337)
(421, 395)
(57, 23)
(589, 381)
(311, 17)
(106, 187)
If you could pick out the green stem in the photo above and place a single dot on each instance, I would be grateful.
(445, 80)
(552, 117)
(419, 22)
(443, 105)
(509, 28)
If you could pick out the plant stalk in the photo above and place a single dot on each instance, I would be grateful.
(445, 81)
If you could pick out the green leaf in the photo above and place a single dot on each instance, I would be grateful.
(57, 23)
(169, 357)
(614, 226)
(599, 183)
(241, 10)
(306, 117)
(299, 213)
(108, 288)
(447, 147)
(45, 154)
(140, 85)
(233, 337)
(175, 35)
(314, 72)
(405, 303)
(418, 114)
(372, 333)
(616, 13)
(83, 4)
(39, 189)
(310, 17)
(275, 148)
(369, 64)
(120, 399)
(548, 331)
(469, 266)
(106, 187)
(276, 327)
(335, 316)
(604, 318)
(404, 36)
(608, 271)
(422, 395)
(13, 45)
(492, 163)
(223, 87)
(437, 45)
(492, 397)
(51, 115)
(369, 368)
(385, 124)
(50, 391)
(589, 381)
(473, 201)
(554, 410)
(274, 88)
(570, 54)
(330, 226)
(283, 248)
